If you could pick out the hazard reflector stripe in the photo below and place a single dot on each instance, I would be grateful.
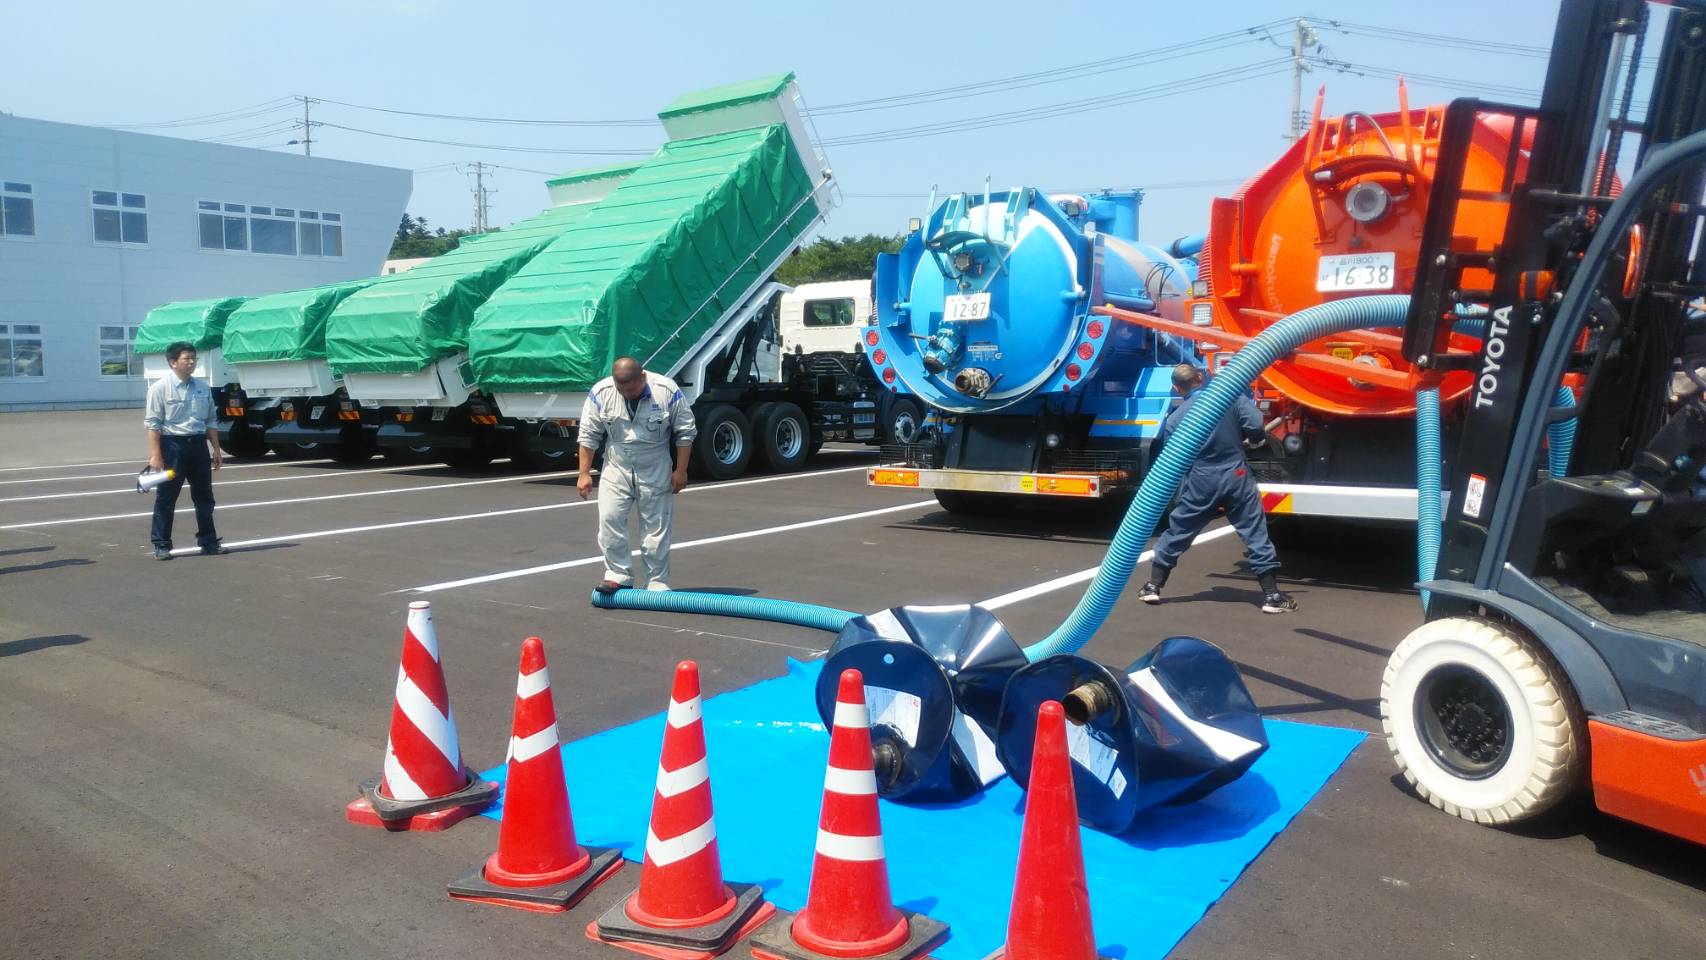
(839, 846)
(528, 747)
(673, 782)
(398, 783)
(424, 717)
(665, 852)
(682, 714)
(853, 783)
(852, 715)
(533, 684)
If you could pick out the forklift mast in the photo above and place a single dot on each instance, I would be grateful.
(1555, 197)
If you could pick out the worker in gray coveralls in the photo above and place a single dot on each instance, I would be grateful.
(639, 418)
(1219, 478)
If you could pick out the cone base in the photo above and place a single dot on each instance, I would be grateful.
(374, 809)
(552, 898)
(776, 941)
(616, 928)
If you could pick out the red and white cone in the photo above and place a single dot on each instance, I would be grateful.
(683, 910)
(538, 864)
(849, 912)
(424, 785)
(1050, 916)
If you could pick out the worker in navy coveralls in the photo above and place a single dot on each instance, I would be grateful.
(183, 436)
(1220, 478)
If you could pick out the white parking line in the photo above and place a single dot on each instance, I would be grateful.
(1061, 583)
(66, 466)
(219, 483)
(109, 476)
(280, 503)
(427, 521)
(725, 538)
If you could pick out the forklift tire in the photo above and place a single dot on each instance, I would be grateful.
(724, 446)
(243, 443)
(1482, 721)
(783, 435)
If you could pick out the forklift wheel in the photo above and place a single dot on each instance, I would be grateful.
(1481, 721)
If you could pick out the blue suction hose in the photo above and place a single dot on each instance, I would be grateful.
(1183, 445)
(1428, 512)
(1561, 436)
(1134, 532)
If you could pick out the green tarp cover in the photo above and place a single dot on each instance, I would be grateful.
(731, 95)
(200, 323)
(406, 321)
(285, 326)
(650, 270)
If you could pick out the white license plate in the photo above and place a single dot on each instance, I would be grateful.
(966, 306)
(1357, 271)
(314, 413)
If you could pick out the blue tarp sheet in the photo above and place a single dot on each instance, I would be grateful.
(768, 750)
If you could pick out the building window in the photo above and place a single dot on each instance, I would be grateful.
(20, 350)
(17, 210)
(279, 231)
(118, 353)
(829, 313)
(120, 217)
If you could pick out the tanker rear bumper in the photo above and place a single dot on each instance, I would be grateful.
(1075, 485)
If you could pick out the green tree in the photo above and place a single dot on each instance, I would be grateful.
(849, 258)
(416, 238)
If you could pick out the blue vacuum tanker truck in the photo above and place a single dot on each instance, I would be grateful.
(984, 315)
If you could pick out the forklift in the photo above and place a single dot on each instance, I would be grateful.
(1565, 636)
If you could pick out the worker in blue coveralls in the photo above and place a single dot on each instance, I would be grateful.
(646, 428)
(1220, 478)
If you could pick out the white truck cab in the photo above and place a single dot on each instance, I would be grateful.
(824, 317)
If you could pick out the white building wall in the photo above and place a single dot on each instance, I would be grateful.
(64, 281)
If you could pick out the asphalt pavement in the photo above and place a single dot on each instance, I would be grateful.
(178, 739)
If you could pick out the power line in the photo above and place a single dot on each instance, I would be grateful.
(224, 116)
(519, 121)
(613, 152)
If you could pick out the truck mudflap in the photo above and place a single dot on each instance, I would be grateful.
(1075, 485)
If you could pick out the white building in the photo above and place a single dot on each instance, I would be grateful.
(98, 226)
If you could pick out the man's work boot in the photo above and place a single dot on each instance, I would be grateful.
(1149, 593)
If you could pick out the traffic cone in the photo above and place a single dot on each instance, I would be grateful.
(848, 912)
(1050, 916)
(538, 865)
(683, 910)
(425, 785)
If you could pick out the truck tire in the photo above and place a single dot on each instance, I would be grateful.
(243, 442)
(905, 418)
(299, 451)
(543, 459)
(355, 446)
(783, 435)
(408, 456)
(468, 458)
(1482, 721)
(724, 446)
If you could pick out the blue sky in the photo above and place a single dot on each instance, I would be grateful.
(134, 63)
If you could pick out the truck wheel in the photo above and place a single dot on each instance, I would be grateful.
(1481, 720)
(354, 447)
(903, 422)
(543, 459)
(298, 451)
(243, 442)
(783, 435)
(724, 445)
(471, 458)
(408, 456)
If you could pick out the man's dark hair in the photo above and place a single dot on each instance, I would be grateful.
(178, 349)
(1186, 376)
(625, 370)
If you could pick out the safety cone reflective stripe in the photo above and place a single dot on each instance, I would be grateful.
(1050, 915)
(683, 909)
(422, 757)
(849, 912)
(538, 864)
(681, 879)
(423, 784)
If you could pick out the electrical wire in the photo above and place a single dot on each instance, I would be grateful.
(224, 116)
(610, 152)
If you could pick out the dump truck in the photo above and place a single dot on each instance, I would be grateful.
(201, 324)
(821, 330)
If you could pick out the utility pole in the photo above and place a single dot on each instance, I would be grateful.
(1302, 40)
(481, 205)
(307, 125)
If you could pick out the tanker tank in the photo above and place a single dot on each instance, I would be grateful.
(985, 315)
